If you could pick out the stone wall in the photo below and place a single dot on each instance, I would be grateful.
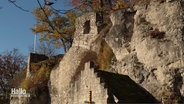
(34, 58)
(86, 32)
(62, 76)
(87, 81)
(84, 48)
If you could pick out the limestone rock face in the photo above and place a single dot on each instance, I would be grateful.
(167, 19)
(120, 33)
(155, 59)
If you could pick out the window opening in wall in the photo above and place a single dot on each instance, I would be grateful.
(86, 27)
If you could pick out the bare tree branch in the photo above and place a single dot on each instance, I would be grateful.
(19, 7)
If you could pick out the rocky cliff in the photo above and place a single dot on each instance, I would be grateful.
(153, 47)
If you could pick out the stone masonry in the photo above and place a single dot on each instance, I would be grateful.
(34, 58)
(84, 48)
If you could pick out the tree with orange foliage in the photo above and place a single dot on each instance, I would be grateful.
(55, 27)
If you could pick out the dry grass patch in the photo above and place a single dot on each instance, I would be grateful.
(105, 56)
(40, 74)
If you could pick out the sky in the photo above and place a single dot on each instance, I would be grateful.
(15, 24)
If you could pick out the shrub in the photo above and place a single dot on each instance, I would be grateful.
(40, 76)
(26, 84)
(105, 56)
(35, 66)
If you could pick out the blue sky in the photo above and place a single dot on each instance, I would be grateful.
(15, 24)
